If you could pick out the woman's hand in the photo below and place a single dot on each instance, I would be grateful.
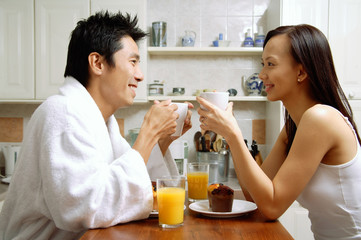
(217, 120)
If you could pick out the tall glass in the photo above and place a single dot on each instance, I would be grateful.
(171, 197)
(197, 178)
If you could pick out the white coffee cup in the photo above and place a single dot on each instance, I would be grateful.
(220, 99)
(182, 111)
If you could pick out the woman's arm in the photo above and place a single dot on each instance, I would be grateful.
(273, 162)
(273, 195)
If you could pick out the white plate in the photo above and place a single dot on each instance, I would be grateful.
(154, 213)
(240, 207)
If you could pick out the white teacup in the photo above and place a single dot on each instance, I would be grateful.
(182, 111)
(220, 99)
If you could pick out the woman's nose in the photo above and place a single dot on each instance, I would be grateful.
(262, 75)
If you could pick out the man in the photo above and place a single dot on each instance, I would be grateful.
(75, 171)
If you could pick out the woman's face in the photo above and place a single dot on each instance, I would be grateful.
(280, 71)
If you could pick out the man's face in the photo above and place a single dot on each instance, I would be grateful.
(119, 82)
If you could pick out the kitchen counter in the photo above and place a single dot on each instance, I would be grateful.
(247, 227)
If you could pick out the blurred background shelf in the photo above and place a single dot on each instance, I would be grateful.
(204, 51)
(193, 98)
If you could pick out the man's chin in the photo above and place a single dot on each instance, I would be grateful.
(126, 103)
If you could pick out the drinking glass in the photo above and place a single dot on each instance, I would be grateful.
(197, 178)
(171, 197)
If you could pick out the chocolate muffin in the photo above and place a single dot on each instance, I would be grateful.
(220, 197)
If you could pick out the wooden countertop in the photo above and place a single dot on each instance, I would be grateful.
(250, 226)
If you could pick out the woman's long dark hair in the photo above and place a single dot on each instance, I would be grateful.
(310, 48)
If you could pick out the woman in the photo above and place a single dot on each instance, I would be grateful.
(316, 159)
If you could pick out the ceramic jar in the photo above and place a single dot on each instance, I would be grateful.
(189, 39)
(253, 85)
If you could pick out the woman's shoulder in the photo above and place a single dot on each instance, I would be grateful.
(322, 112)
(324, 118)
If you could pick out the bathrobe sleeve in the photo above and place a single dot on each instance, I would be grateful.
(85, 185)
(159, 165)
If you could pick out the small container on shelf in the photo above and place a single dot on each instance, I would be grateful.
(156, 88)
(260, 38)
(248, 42)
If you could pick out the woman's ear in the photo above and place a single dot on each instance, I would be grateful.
(302, 74)
(95, 61)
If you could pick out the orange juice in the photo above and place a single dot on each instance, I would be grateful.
(197, 185)
(171, 205)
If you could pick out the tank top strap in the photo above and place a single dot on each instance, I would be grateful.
(350, 125)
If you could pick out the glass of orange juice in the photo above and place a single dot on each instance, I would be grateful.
(171, 197)
(197, 178)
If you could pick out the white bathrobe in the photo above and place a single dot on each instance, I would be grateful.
(76, 172)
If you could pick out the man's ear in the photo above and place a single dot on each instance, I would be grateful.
(96, 65)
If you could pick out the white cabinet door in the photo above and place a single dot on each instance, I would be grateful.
(345, 38)
(54, 22)
(134, 7)
(293, 12)
(312, 12)
(297, 223)
(356, 109)
(16, 49)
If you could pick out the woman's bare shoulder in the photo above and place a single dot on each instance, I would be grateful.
(322, 113)
(324, 118)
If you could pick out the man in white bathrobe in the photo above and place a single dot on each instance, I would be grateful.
(75, 171)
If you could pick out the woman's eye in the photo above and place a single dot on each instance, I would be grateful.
(262, 64)
(270, 64)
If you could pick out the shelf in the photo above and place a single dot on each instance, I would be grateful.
(21, 101)
(193, 98)
(204, 51)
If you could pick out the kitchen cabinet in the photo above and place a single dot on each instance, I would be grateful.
(292, 12)
(356, 109)
(29, 75)
(16, 49)
(54, 21)
(344, 38)
(297, 223)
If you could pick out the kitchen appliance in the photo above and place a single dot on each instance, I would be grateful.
(11, 154)
(179, 150)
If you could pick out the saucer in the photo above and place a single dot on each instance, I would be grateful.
(240, 207)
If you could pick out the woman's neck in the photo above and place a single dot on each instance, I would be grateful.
(298, 106)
